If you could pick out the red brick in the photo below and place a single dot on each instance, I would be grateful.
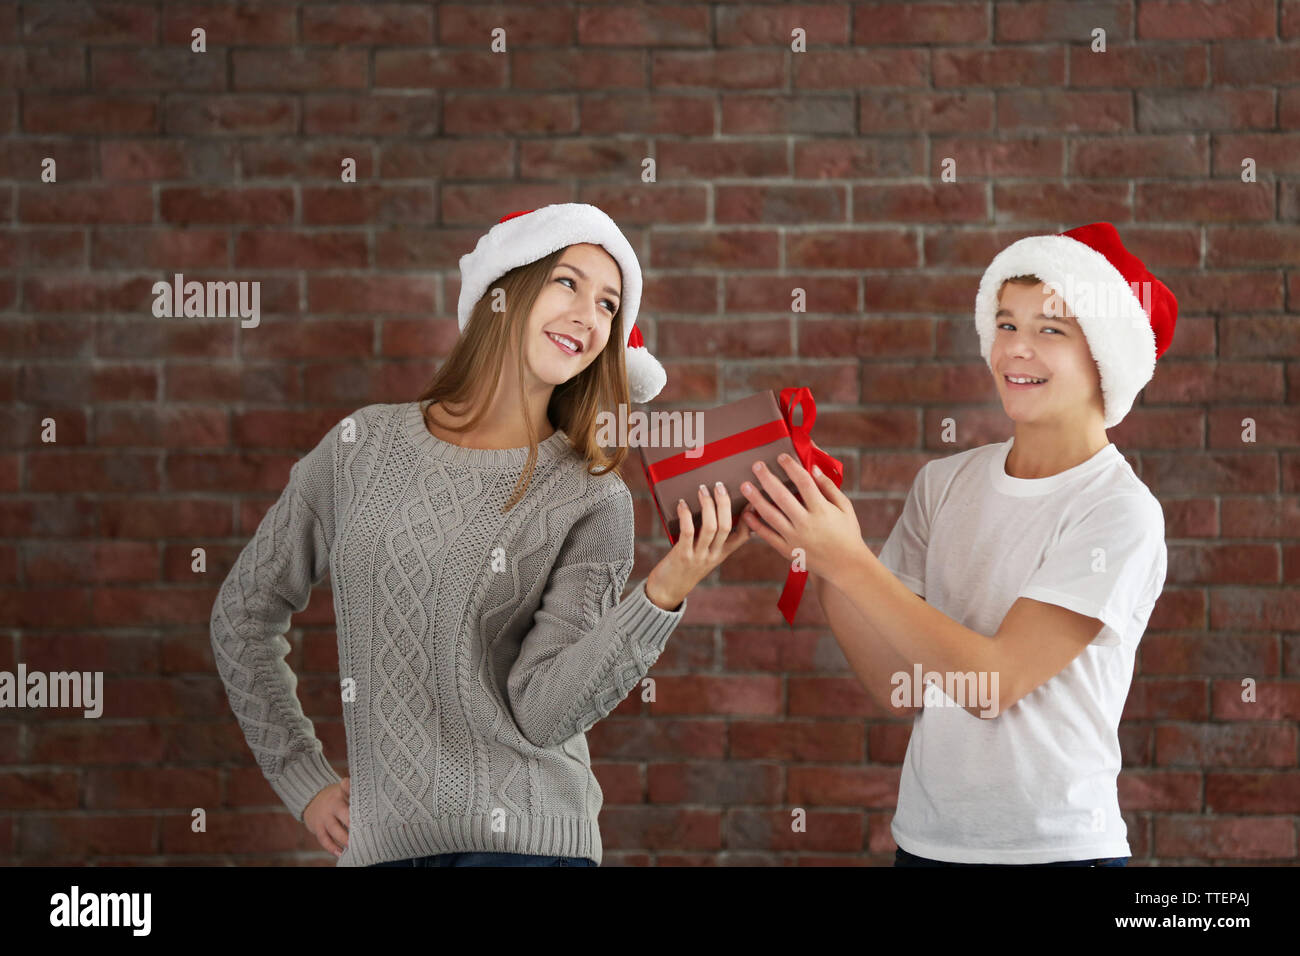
(1256, 245)
(755, 338)
(1254, 793)
(843, 786)
(941, 202)
(121, 23)
(760, 293)
(458, 159)
(1035, 22)
(741, 158)
(1273, 153)
(372, 114)
(593, 159)
(1052, 202)
(229, 24)
(363, 204)
(1160, 790)
(1139, 65)
(861, 69)
(921, 23)
(319, 160)
(439, 69)
(1202, 20)
(773, 24)
(1227, 838)
(1270, 337)
(298, 69)
(1202, 202)
(165, 70)
(75, 839)
(998, 158)
(773, 204)
(1199, 653)
(159, 248)
(675, 115)
(892, 112)
(1259, 517)
(266, 249)
(656, 828)
(790, 114)
(644, 204)
(661, 25)
(89, 115)
(1274, 700)
(370, 294)
(1029, 67)
(245, 114)
(1209, 110)
(184, 205)
(24, 160)
(375, 24)
(719, 69)
(1227, 745)
(735, 248)
(1194, 383)
(713, 783)
(1070, 111)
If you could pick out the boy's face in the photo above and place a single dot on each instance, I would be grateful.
(1034, 339)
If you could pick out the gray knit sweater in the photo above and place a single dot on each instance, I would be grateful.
(475, 648)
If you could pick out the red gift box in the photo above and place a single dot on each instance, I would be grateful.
(757, 428)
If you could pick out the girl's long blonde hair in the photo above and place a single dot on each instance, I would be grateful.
(470, 373)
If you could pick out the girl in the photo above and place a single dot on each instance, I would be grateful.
(479, 540)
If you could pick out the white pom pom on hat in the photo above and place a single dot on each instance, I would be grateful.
(529, 234)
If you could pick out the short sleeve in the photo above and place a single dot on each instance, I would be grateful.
(1110, 565)
(905, 548)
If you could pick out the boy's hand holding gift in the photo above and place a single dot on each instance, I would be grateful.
(824, 527)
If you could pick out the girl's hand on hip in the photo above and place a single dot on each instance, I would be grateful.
(327, 816)
(695, 555)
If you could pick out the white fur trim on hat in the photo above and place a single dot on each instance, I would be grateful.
(1115, 324)
(530, 236)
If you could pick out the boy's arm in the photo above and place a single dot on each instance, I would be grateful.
(873, 660)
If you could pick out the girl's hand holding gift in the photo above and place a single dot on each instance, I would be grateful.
(825, 526)
(695, 555)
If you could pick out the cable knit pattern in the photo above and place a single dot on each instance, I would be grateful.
(475, 648)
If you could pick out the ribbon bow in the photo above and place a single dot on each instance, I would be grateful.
(790, 399)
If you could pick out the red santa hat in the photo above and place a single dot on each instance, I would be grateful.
(526, 236)
(1126, 314)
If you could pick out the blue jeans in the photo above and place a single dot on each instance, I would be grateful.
(490, 859)
(903, 858)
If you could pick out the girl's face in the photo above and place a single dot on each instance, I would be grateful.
(1034, 339)
(571, 319)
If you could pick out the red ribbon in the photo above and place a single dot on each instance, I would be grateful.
(750, 438)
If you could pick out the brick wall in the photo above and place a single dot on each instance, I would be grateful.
(774, 169)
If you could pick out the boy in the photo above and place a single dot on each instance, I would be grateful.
(1028, 568)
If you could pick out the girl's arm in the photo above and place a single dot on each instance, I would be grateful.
(270, 581)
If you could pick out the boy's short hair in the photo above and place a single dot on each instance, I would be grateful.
(1020, 280)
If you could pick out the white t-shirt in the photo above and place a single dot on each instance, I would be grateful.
(1035, 784)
